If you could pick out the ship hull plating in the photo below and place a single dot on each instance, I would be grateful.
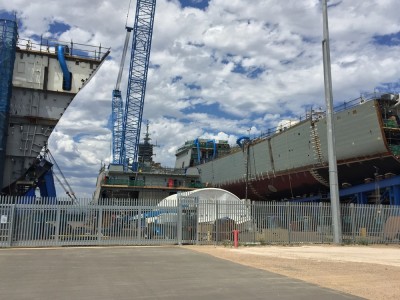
(293, 162)
(305, 184)
(39, 99)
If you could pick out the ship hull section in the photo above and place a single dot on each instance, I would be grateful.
(294, 161)
(37, 103)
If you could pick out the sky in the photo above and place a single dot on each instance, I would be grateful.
(218, 68)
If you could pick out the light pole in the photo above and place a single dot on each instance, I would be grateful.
(333, 178)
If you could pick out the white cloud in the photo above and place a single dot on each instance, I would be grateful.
(191, 47)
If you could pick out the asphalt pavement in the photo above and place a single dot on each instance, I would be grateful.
(141, 273)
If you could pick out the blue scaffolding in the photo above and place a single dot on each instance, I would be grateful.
(8, 41)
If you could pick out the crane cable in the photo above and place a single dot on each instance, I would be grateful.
(70, 191)
(63, 186)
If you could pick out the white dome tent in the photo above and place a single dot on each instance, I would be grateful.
(212, 204)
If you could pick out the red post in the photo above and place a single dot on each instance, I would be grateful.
(236, 238)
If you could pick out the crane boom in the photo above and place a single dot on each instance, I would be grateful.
(138, 68)
(117, 108)
(124, 51)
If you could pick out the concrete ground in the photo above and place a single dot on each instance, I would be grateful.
(142, 273)
(371, 272)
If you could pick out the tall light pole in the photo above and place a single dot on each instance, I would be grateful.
(333, 178)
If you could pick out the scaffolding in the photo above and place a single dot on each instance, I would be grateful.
(8, 40)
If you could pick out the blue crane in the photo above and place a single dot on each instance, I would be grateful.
(117, 105)
(126, 140)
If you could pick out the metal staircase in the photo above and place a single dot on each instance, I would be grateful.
(316, 142)
(318, 177)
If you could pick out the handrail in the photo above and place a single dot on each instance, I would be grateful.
(141, 183)
(75, 49)
(313, 115)
(317, 114)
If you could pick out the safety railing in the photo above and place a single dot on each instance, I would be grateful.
(71, 48)
(142, 183)
(319, 113)
(111, 181)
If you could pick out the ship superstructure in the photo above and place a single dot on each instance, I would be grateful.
(44, 78)
(199, 151)
(151, 182)
(291, 161)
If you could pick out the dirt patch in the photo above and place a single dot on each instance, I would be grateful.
(371, 272)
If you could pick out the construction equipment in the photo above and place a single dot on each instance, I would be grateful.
(63, 183)
(45, 181)
(126, 134)
(117, 105)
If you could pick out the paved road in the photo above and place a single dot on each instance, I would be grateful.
(141, 273)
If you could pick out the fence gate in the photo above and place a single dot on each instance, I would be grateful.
(6, 224)
(187, 219)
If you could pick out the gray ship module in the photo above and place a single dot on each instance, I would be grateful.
(38, 82)
(291, 162)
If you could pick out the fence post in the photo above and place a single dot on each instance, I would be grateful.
(58, 220)
(139, 224)
(380, 221)
(14, 218)
(353, 225)
(179, 225)
(197, 204)
(321, 227)
(253, 223)
(216, 222)
(99, 223)
(289, 225)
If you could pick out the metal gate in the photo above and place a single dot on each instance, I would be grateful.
(187, 219)
(33, 225)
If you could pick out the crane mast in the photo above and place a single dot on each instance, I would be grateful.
(137, 78)
(117, 125)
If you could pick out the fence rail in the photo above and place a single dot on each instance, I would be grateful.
(72, 49)
(190, 221)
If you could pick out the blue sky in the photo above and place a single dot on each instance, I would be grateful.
(200, 4)
(218, 67)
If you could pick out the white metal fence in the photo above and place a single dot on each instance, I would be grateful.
(189, 221)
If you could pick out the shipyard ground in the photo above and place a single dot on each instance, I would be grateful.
(189, 272)
(370, 272)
